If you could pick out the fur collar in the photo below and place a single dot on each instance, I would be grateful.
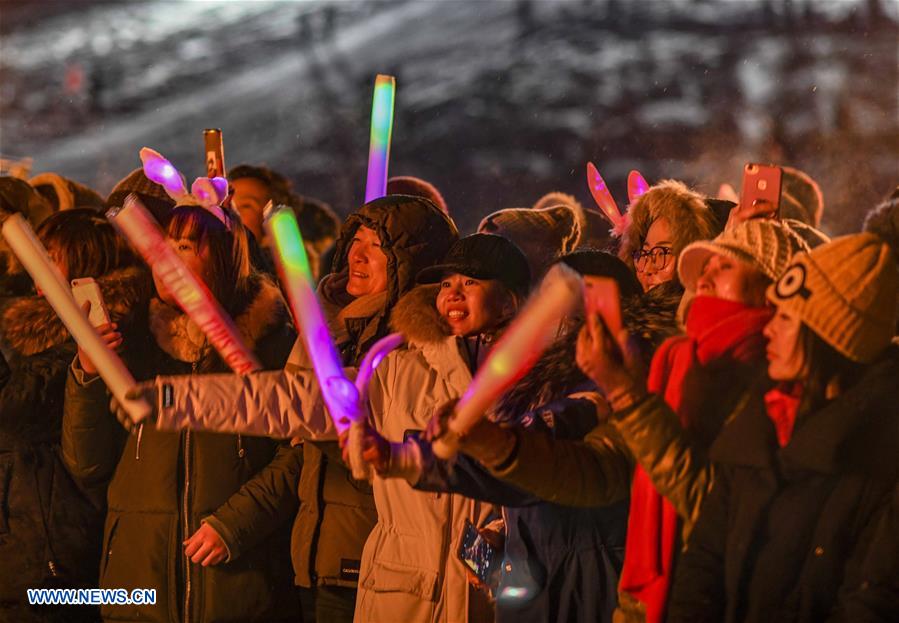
(415, 316)
(178, 336)
(30, 325)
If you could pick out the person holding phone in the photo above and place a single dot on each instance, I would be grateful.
(50, 529)
(793, 527)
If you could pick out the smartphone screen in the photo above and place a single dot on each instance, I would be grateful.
(476, 553)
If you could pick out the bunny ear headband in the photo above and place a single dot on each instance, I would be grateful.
(206, 192)
(636, 186)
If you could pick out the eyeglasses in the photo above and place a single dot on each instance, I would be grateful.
(657, 257)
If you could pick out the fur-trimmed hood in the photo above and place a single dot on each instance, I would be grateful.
(415, 316)
(30, 326)
(177, 335)
(687, 212)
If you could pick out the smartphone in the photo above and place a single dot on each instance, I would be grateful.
(602, 297)
(87, 290)
(761, 181)
(477, 554)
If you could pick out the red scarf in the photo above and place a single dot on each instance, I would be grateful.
(716, 328)
(782, 405)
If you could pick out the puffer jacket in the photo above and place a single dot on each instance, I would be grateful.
(50, 531)
(410, 570)
(560, 563)
(163, 486)
(786, 532)
(336, 511)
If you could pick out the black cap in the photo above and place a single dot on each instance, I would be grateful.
(483, 256)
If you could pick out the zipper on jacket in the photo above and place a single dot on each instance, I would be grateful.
(140, 434)
(185, 518)
(241, 452)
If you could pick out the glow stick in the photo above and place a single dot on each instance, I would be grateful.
(373, 358)
(636, 186)
(192, 295)
(46, 275)
(341, 397)
(381, 131)
(532, 331)
(603, 197)
(215, 152)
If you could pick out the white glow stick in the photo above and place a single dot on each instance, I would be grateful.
(46, 275)
(531, 333)
(192, 295)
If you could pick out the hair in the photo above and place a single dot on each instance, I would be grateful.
(824, 365)
(229, 249)
(279, 186)
(85, 242)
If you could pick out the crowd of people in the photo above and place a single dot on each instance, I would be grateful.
(730, 454)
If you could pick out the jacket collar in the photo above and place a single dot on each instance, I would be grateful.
(846, 434)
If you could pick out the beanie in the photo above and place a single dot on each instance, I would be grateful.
(765, 244)
(845, 291)
(151, 194)
(543, 235)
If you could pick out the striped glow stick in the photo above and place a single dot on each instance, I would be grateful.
(381, 131)
(532, 331)
(34, 258)
(193, 296)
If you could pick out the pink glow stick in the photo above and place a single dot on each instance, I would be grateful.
(532, 331)
(381, 132)
(192, 295)
(46, 275)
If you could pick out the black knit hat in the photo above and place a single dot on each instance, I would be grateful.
(602, 264)
(483, 256)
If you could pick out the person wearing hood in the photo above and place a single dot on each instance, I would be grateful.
(382, 246)
(807, 469)
(200, 517)
(410, 570)
(50, 530)
(560, 563)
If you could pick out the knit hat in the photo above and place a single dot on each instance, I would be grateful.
(845, 291)
(151, 194)
(543, 235)
(800, 197)
(812, 236)
(416, 187)
(18, 196)
(765, 244)
(483, 256)
(66, 194)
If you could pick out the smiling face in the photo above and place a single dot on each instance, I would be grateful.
(472, 306)
(732, 280)
(367, 264)
(785, 350)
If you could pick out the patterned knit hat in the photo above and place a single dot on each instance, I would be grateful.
(765, 244)
(845, 291)
(151, 194)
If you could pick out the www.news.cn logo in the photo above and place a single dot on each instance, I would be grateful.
(91, 596)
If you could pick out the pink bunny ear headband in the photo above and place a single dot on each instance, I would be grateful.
(206, 192)
(636, 186)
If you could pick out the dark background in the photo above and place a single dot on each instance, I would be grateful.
(498, 101)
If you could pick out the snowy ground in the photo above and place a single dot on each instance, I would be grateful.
(496, 103)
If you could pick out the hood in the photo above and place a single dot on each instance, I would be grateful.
(177, 335)
(414, 234)
(416, 317)
(31, 326)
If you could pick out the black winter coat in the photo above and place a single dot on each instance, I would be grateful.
(50, 530)
(163, 485)
(783, 529)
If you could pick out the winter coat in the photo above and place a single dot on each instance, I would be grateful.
(410, 571)
(50, 531)
(783, 529)
(336, 511)
(162, 485)
(560, 563)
